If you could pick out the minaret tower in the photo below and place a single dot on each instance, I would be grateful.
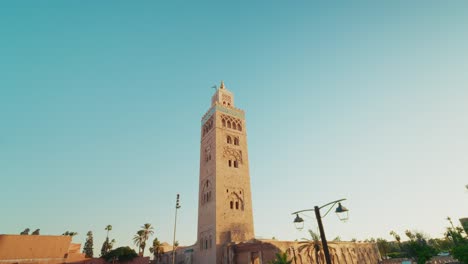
(225, 202)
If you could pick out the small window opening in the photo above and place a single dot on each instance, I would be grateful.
(229, 140)
(232, 204)
(230, 163)
(224, 123)
(229, 124)
(237, 205)
(234, 126)
(236, 164)
(239, 127)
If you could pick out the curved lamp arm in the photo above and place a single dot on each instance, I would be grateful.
(333, 203)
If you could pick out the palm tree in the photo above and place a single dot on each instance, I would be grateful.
(281, 258)
(311, 245)
(147, 231)
(108, 228)
(139, 240)
(157, 250)
(292, 251)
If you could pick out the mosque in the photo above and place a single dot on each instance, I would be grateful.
(225, 233)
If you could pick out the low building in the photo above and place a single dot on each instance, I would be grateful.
(263, 251)
(38, 249)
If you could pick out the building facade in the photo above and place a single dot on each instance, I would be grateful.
(225, 203)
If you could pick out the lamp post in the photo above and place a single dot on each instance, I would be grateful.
(175, 226)
(340, 210)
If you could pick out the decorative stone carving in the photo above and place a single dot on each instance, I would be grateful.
(230, 152)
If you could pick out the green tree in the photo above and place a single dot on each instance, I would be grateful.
(311, 246)
(108, 228)
(69, 233)
(157, 250)
(418, 248)
(139, 241)
(460, 252)
(383, 246)
(396, 236)
(281, 258)
(121, 254)
(107, 246)
(460, 243)
(148, 231)
(88, 246)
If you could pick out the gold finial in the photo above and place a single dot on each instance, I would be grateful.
(222, 85)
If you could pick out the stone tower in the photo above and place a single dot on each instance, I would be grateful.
(225, 202)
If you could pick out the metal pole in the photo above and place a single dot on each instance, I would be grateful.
(175, 226)
(322, 235)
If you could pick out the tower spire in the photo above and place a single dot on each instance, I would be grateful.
(223, 96)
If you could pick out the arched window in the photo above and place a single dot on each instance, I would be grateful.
(237, 205)
(229, 140)
(206, 244)
(236, 164)
(236, 141)
(224, 123)
(232, 204)
(239, 127)
(224, 102)
(230, 163)
(229, 124)
(234, 125)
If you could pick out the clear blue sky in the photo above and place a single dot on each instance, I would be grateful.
(101, 101)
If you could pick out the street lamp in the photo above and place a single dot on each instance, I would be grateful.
(342, 213)
(175, 225)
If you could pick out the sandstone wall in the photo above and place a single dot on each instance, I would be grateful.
(261, 252)
(32, 248)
